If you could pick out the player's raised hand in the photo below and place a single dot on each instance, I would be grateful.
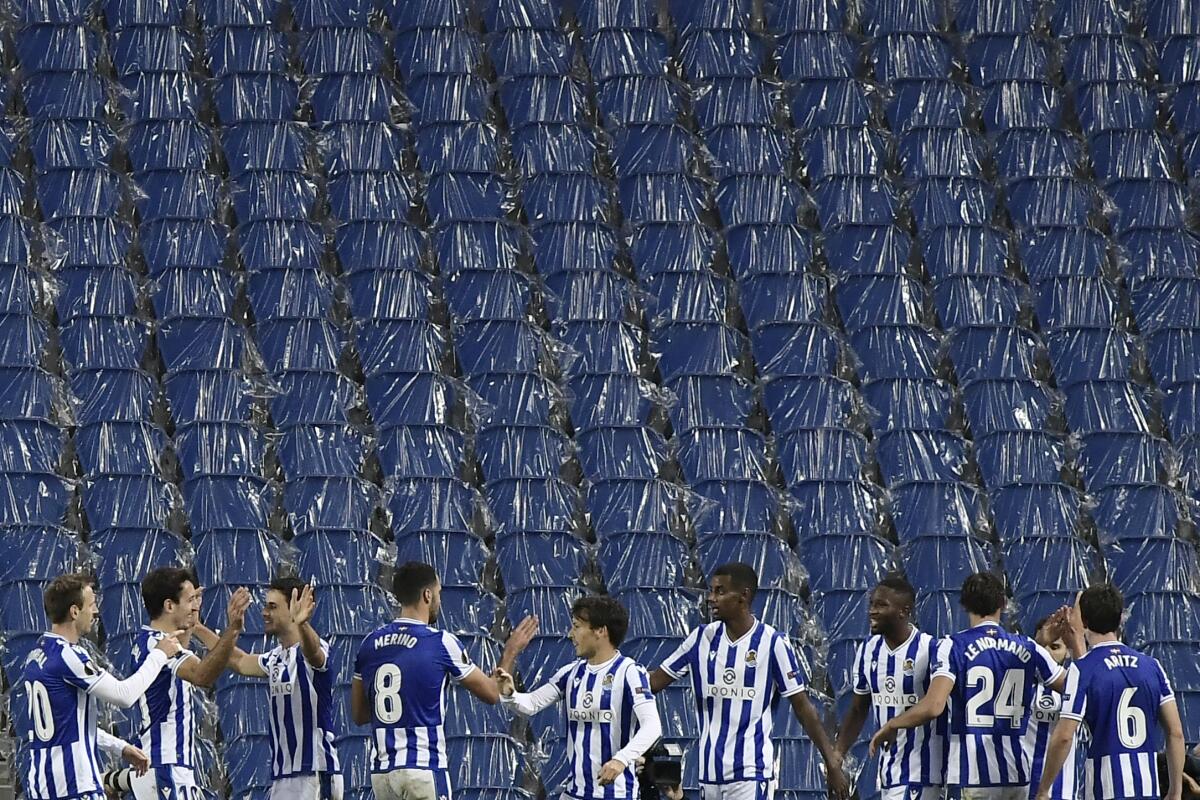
(136, 758)
(304, 603)
(610, 771)
(172, 644)
(504, 681)
(838, 783)
(235, 612)
(521, 636)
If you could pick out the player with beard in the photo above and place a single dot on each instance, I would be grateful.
(892, 670)
(401, 675)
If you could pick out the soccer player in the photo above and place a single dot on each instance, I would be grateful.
(62, 685)
(740, 667)
(400, 679)
(892, 670)
(1046, 706)
(985, 677)
(607, 698)
(168, 726)
(1125, 700)
(304, 763)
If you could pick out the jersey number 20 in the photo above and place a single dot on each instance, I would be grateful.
(1009, 699)
(40, 713)
(388, 705)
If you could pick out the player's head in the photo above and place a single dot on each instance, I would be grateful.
(418, 589)
(731, 590)
(982, 594)
(277, 612)
(1048, 638)
(171, 594)
(1101, 607)
(71, 599)
(892, 600)
(597, 623)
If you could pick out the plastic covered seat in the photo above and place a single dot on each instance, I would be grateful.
(981, 352)
(537, 148)
(822, 454)
(1172, 355)
(730, 100)
(1115, 406)
(897, 351)
(631, 505)
(332, 556)
(640, 559)
(743, 149)
(444, 504)
(935, 508)
(215, 395)
(509, 451)
(123, 448)
(814, 401)
(121, 501)
(845, 561)
(400, 346)
(1020, 152)
(201, 343)
(1022, 103)
(928, 455)
(965, 300)
(770, 249)
(793, 350)
(1136, 511)
(1020, 456)
(752, 199)
(227, 502)
(33, 395)
(235, 557)
(1164, 302)
(333, 501)
(1122, 458)
(777, 565)
(855, 200)
(698, 349)
(847, 507)
(625, 452)
(459, 557)
(570, 197)
(710, 400)
(540, 559)
(99, 342)
(1006, 404)
(1181, 405)
(835, 101)
(749, 505)
(68, 94)
(1035, 509)
(1160, 616)
(900, 403)
(535, 504)
(58, 143)
(722, 453)
(1160, 562)
(621, 49)
(816, 54)
(531, 99)
(661, 612)
(1036, 562)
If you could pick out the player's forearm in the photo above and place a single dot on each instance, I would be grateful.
(1176, 753)
(124, 694)
(852, 725)
(1056, 755)
(210, 666)
(529, 703)
(649, 732)
(310, 645)
(807, 714)
(924, 711)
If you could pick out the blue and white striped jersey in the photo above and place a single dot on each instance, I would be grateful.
(896, 680)
(599, 707)
(405, 668)
(166, 720)
(58, 679)
(995, 674)
(1043, 717)
(1116, 692)
(301, 713)
(737, 686)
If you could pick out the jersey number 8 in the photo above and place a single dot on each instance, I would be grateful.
(40, 713)
(388, 705)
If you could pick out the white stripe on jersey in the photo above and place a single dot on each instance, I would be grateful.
(1044, 716)
(301, 699)
(897, 680)
(167, 714)
(599, 705)
(736, 685)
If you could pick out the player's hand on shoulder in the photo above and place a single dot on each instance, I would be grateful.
(239, 601)
(304, 603)
(172, 643)
(610, 771)
(136, 758)
(504, 681)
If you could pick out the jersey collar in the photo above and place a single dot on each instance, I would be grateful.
(412, 621)
(605, 665)
(912, 632)
(743, 637)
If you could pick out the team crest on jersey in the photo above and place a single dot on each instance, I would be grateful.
(729, 676)
(608, 681)
(751, 656)
(910, 666)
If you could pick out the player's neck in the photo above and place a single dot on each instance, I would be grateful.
(738, 627)
(67, 631)
(1094, 640)
(602, 656)
(976, 621)
(288, 636)
(420, 614)
(163, 624)
(899, 636)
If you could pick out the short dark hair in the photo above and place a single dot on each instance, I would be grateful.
(1101, 607)
(1037, 626)
(412, 578)
(740, 574)
(62, 593)
(285, 585)
(163, 584)
(982, 594)
(900, 585)
(602, 611)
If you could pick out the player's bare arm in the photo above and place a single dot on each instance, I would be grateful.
(303, 605)
(241, 662)
(1168, 716)
(852, 723)
(204, 672)
(803, 708)
(660, 680)
(931, 706)
(360, 711)
(1056, 754)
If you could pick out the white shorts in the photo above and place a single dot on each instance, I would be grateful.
(738, 790)
(411, 784)
(994, 793)
(912, 793)
(307, 787)
(166, 783)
